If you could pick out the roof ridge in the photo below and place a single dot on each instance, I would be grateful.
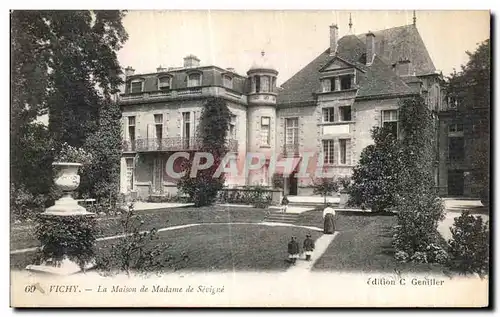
(388, 29)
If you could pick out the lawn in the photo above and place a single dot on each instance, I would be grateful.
(364, 244)
(220, 247)
(23, 237)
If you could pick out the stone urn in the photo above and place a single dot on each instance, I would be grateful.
(344, 198)
(67, 179)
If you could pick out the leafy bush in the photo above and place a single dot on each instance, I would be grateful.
(258, 196)
(24, 205)
(71, 236)
(375, 180)
(417, 216)
(138, 251)
(436, 254)
(73, 154)
(402, 256)
(419, 257)
(469, 245)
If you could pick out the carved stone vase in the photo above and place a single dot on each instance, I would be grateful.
(68, 180)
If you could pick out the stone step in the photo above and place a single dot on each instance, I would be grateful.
(290, 221)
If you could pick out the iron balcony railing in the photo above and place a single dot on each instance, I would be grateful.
(290, 150)
(169, 144)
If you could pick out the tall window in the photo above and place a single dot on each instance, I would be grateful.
(131, 131)
(265, 127)
(328, 151)
(194, 80)
(186, 125)
(345, 82)
(345, 113)
(456, 150)
(257, 83)
(159, 126)
(265, 83)
(164, 83)
(232, 127)
(328, 84)
(390, 120)
(130, 173)
(328, 114)
(136, 86)
(292, 131)
(227, 81)
(343, 151)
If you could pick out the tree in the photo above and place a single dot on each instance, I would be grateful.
(418, 205)
(101, 179)
(63, 63)
(212, 134)
(325, 186)
(375, 180)
(470, 88)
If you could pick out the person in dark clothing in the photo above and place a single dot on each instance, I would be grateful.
(293, 250)
(308, 247)
(284, 203)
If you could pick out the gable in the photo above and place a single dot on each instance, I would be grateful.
(336, 64)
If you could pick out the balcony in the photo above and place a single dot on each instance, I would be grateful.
(290, 150)
(169, 145)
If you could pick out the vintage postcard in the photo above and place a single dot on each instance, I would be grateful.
(268, 158)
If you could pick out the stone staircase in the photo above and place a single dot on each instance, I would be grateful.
(282, 217)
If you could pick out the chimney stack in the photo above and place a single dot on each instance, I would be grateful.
(191, 61)
(129, 71)
(160, 69)
(370, 47)
(334, 37)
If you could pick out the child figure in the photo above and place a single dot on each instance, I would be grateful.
(284, 203)
(293, 250)
(308, 247)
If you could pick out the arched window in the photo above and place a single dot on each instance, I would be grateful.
(194, 79)
(165, 83)
(136, 86)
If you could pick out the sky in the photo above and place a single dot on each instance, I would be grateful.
(290, 39)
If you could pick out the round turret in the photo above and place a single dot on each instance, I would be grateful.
(262, 76)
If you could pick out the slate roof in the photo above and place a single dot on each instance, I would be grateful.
(403, 42)
(377, 79)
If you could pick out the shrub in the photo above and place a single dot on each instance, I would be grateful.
(375, 180)
(24, 205)
(71, 236)
(401, 256)
(436, 254)
(419, 257)
(137, 251)
(469, 245)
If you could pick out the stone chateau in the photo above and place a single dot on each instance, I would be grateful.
(327, 108)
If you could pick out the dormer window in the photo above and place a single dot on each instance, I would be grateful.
(194, 80)
(345, 82)
(164, 83)
(136, 86)
(328, 84)
(227, 81)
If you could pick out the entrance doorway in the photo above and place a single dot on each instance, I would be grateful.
(455, 183)
(292, 181)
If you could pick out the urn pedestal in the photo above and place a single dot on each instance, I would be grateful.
(68, 180)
